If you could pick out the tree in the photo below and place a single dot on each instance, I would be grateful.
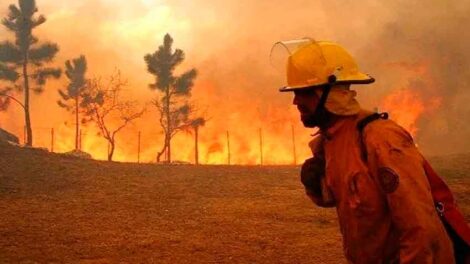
(25, 57)
(75, 71)
(105, 107)
(195, 124)
(173, 91)
(5, 100)
(7, 74)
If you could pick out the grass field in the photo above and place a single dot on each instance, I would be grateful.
(55, 209)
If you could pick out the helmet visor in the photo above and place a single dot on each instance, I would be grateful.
(297, 59)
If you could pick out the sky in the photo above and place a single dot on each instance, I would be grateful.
(417, 51)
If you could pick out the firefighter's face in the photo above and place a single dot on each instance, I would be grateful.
(307, 102)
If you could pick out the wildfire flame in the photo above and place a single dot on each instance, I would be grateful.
(234, 84)
(405, 108)
(406, 105)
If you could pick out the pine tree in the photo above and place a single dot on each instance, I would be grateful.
(173, 91)
(7, 74)
(72, 96)
(25, 57)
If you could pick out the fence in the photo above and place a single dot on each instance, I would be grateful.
(238, 147)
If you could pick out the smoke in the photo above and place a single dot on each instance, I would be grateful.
(429, 46)
(405, 45)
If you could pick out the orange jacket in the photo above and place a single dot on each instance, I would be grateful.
(385, 207)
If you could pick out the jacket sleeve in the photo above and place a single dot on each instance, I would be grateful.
(312, 176)
(397, 167)
(323, 199)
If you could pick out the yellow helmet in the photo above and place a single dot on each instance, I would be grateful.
(314, 63)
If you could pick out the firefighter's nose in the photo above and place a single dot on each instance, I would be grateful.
(296, 100)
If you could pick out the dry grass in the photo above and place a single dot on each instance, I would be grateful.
(57, 209)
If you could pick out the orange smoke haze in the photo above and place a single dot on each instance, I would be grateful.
(229, 42)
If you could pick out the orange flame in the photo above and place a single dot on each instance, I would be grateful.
(405, 108)
(407, 105)
(229, 57)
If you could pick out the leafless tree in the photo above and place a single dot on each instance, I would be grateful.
(106, 108)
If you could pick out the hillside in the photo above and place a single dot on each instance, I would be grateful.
(59, 209)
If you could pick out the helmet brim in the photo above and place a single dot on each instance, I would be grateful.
(291, 88)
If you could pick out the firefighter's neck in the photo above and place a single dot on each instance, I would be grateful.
(331, 120)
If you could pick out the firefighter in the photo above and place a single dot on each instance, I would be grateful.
(365, 165)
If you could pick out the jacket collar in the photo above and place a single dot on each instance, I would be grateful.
(339, 124)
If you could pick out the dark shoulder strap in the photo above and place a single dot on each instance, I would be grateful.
(363, 123)
(360, 127)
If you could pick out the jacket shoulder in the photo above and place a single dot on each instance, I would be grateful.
(386, 132)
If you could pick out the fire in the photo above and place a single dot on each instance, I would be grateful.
(243, 144)
(235, 88)
(259, 130)
(251, 139)
(407, 105)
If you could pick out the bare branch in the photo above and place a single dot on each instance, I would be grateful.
(105, 106)
(12, 98)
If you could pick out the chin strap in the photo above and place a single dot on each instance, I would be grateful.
(321, 114)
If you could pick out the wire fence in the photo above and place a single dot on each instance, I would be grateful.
(257, 148)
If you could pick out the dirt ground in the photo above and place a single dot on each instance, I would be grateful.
(55, 209)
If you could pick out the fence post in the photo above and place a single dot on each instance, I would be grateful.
(52, 139)
(138, 149)
(196, 145)
(80, 141)
(228, 148)
(293, 146)
(261, 146)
